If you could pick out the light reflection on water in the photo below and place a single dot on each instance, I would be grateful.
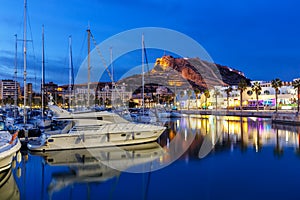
(80, 174)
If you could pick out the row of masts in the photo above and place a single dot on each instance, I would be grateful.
(71, 72)
(71, 79)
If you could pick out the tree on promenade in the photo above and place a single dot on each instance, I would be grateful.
(296, 84)
(207, 95)
(257, 89)
(189, 94)
(242, 85)
(216, 94)
(228, 90)
(197, 92)
(276, 84)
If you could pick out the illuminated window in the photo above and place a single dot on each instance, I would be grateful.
(266, 92)
(249, 92)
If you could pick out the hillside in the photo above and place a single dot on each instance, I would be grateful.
(183, 73)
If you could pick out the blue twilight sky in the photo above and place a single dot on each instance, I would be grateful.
(260, 38)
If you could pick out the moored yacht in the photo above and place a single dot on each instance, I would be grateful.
(94, 129)
(9, 145)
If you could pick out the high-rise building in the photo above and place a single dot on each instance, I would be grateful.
(8, 89)
(50, 88)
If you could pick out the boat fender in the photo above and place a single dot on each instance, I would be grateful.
(14, 136)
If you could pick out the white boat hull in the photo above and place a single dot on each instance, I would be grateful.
(103, 136)
(8, 151)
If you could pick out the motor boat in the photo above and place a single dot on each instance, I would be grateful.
(9, 145)
(94, 129)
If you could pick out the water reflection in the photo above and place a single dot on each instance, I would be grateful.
(8, 187)
(61, 174)
(97, 165)
(219, 133)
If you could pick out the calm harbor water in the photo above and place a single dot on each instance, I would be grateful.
(197, 157)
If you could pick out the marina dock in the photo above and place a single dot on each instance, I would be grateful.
(283, 117)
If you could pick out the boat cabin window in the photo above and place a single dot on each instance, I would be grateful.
(2, 126)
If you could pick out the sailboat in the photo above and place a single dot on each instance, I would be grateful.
(42, 121)
(145, 116)
(26, 129)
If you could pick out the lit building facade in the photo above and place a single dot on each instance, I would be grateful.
(287, 97)
(8, 89)
(100, 93)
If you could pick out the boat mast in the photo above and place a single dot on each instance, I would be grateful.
(16, 71)
(89, 67)
(70, 71)
(25, 73)
(112, 68)
(143, 78)
(43, 73)
(113, 92)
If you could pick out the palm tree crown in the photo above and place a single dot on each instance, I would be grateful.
(242, 85)
(228, 91)
(296, 84)
(207, 95)
(257, 89)
(276, 84)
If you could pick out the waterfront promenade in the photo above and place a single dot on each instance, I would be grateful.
(286, 117)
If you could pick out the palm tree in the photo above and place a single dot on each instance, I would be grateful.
(216, 94)
(276, 84)
(242, 85)
(228, 91)
(257, 89)
(296, 84)
(207, 95)
(189, 94)
(181, 95)
(197, 92)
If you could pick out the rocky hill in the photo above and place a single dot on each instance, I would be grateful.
(183, 73)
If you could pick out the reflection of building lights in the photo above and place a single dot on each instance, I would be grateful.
(171, 134)
(168, 142)
(161, 159)
(199, 123)
(185, 135)
(193, 123)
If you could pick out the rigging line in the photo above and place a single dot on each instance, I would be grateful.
(101, 57)
(105, 66)
(34, 55)
(81, 51)
(146, 57)
(31, 37)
